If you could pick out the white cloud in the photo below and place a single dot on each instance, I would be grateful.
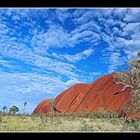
(72, 82)
(17, 11)
(22, 52)
(91, 25)
(86, 36)
(10, 64)
(131, 54)
(132, 15)
(93, 74)
(74, 58)
(83, 18)
(28, 84)
(15, 48)
(54, 37)
(116, 60)
(112, 30)
(120, 13)
(62, 14)
(3, 28)
(30, 87)
(131, 28)
(129, 43)
(15, 18)
(58, 38)
(78, 13)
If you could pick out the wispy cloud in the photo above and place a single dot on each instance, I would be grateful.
(30, 87)
(132, 15)
(74, 58)
(5, 63)
(115, 61)
(62, 14)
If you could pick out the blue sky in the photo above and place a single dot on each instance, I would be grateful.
(45, 51)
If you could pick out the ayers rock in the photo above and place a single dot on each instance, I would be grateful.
(89, 97)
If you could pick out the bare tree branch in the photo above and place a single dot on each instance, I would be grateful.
(118, 83)
(55, 109)
(122, 83)
(123, 89)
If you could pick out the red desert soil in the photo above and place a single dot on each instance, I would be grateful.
(89, 97)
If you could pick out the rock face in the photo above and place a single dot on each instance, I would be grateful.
(89, 97)
(43, 108)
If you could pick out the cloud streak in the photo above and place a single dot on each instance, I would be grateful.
(74, 58)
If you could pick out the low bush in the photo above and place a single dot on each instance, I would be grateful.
(86, 126)
(100, 113)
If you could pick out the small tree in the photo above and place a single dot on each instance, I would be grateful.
(25, 103)
(13, 110)
(131, 81)
(5, 109)
(123, 79)
(135, 79)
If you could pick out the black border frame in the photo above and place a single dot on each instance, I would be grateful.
(69, 3)
(73, 4)
(70, 135)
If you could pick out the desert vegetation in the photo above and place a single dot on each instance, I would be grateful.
(99, 121)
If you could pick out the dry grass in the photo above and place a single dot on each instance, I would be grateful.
(65, 123)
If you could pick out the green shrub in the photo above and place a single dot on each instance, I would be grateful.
(57, 121)
(136, 99)
(0, 119)
(44, 119)
(86, 126)
(33, 117)
(100, 113)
